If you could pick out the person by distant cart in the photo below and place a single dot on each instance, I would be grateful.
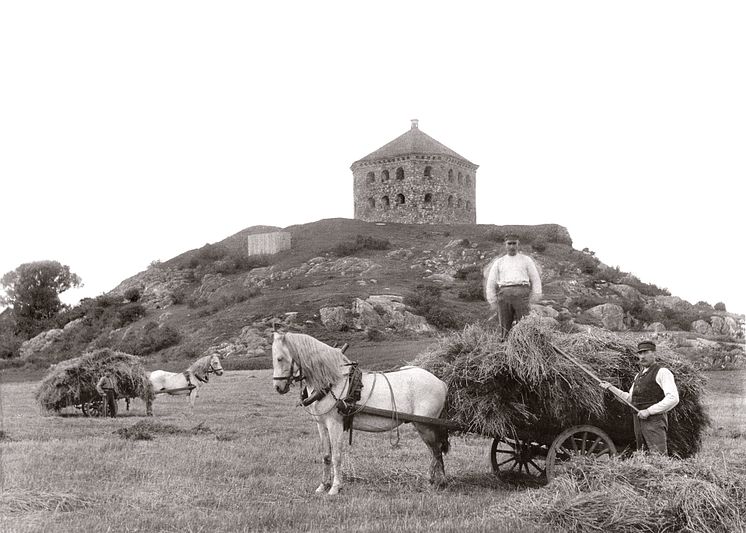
(654, 393)
(106, 387)
(512, 282)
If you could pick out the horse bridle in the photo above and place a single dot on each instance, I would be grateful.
(291, 377)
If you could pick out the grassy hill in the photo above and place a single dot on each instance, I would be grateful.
(207, 297)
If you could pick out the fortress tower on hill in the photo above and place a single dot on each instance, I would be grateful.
(415, 179)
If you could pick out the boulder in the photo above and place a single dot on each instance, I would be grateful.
(251, 342)
(545, 311)
(365, 315)
(609, 316)
(656, 327)
(626, 292)
(336, 318)
(701, 327)
(672, 302)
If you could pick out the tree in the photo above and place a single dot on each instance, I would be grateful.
(720, 306)
(33, 289)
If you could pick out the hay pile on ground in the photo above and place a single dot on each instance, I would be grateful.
(73, 382)
(644, 493)
(496, 388)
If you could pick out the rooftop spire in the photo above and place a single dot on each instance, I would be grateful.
(415, 124)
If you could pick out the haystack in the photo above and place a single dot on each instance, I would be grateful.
(497, 388)
(73, 382)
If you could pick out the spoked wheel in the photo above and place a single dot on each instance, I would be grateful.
(578, 443)
(93, 408)
(518, 455)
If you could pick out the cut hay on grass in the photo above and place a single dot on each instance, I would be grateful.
(148, 429)
(644, 493)
(497, 388)
(73, 382)
(28, 501)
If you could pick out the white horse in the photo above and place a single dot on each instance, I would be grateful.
(187, 382)
(324, 370)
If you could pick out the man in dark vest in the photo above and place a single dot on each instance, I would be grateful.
(654, 393)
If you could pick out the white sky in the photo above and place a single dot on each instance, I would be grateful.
(134, 131)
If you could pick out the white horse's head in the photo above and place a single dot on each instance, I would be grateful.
(215, 365)
(285, 370)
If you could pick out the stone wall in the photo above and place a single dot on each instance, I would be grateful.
(446, 196)
(268, 243)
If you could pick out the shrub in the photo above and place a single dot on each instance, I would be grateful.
(426, 301)
(469, 272)
(609, 274)
(361, 242)
(720, 306)
(374, 335)
(132, 294)
(156, 338)
(539, 246)
(585, 302)
(473, 291)
(587, 264)
(130, 313)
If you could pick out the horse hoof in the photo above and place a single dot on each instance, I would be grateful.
(334, 491)
(323, 487)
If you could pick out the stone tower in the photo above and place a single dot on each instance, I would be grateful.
(416, 180)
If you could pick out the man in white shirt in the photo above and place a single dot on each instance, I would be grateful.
(512, 282)
(654, 393)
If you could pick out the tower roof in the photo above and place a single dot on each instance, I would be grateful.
(414, 141)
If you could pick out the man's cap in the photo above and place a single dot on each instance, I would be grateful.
(646, 346)
(511, 237)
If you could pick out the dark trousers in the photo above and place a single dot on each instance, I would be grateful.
(512, 305)
(652, 433)
(110, 403)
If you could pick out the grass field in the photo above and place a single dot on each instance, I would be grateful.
(247, 460)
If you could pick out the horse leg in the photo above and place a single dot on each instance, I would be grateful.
(436, 438)
(192, 397)
(336, 436)
(148, 407)
(326, 457)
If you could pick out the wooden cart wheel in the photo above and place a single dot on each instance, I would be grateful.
(520, 456)
(586, 442)
(93, 408)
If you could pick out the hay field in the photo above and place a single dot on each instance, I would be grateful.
(247, 460)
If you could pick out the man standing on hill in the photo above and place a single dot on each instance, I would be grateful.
(654, 393)
(512, 281)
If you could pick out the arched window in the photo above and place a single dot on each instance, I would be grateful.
(468, 205)
(370, 178)
(450, 175)
(400, 173)
(458, 203)
(399, 199)
(371, 202)
(385, 203)
(428, 172)
(428, 198)
(385, 176)
(450, 200)
(468, 179)
(460, 178)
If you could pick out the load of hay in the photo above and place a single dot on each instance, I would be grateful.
(73, 382)
(496, 388)
(641, 494)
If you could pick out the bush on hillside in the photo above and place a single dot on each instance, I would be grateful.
(132, 294)
(609, 274)
(361, 242)
(426, 301)
(473, 292)
(720, 306)
(539, 246)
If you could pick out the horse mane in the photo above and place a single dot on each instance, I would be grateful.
(321, 364)
(201, 366)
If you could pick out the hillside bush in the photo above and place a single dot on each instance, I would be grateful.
(539, 246)
(587, 263)
(361, 242)
(720, 306)
(129, 313)
(155, 338)
(609, 274)
(132, 294)
(469, 272)
(426, 301)
(473, 292)
(585, 302)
